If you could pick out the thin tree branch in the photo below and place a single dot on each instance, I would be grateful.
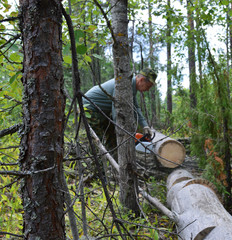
(9, 19)
(14, 173)
(11, 39)
(107, 20)
(9, 147)
(13, 99)
(10, 184)
(10, 130)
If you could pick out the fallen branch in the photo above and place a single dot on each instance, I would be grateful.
(11, 234)
(103, 150)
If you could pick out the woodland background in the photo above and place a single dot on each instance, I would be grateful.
(201, 113)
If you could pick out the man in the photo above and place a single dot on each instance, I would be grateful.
(102, 97)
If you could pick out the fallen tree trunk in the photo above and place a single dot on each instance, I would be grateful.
(170, 153)
(199, 212)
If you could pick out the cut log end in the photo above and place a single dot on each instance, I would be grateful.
(171, 154)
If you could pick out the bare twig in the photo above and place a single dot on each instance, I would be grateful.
(9, 19)
(10, 130)
(11, 39)
(106, 18)
(13, 99)
(10, 184)
(5, 154)
(14, 173)
(10, 147)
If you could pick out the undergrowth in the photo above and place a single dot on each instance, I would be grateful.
(152, 224)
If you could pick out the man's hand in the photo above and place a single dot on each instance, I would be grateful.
(148, 130)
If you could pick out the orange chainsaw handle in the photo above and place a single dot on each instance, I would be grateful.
(141, 137)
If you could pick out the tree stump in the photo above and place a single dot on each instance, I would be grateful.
(199, 212)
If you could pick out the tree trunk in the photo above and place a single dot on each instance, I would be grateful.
(199, 43)
(191, 56)
(230, 34)
(199, 213)
(170, 153)
(153, 93)
(42, 141)
(123, 106)
(169, 64)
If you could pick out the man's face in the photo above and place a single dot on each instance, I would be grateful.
(142, 84)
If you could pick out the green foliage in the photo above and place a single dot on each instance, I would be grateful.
(10, 206)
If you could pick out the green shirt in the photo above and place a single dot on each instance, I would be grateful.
(104, 100)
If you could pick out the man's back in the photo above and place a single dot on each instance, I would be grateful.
(102, 98)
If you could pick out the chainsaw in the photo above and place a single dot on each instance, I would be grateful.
(143, 142)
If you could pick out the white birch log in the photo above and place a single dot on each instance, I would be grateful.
(198, 210)
(170, 153)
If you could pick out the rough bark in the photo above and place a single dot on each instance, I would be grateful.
(123, 105)
(43, 106)
(191, 57)
(199, 213)
(153, 93)
(199, 48)
(169, 63)
(230, 35)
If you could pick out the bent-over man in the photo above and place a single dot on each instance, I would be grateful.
(102, 97)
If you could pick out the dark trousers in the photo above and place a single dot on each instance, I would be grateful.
(104, 129)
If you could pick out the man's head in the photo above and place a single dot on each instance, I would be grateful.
(145, 79)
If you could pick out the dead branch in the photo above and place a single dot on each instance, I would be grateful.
(10, 130)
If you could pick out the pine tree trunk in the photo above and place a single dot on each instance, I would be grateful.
(153, 93)
(123, 105)
(191, 56)
(42, 141)
(199, 48)
(169, 64)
